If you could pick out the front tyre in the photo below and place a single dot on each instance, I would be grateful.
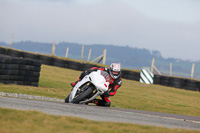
(67, 99)
(82, 95)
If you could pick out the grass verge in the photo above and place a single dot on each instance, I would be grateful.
(15, 121)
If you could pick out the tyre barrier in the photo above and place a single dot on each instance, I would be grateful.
(191, 85)
(14, 53)
(176, 82)
(74, 65)
(47, 60)
(20, 71)
(60, 63)
(156, 79)
(87, 66)
(30, 56)
(164, 80)
(3, 50)
(9, 66)
(132, 75)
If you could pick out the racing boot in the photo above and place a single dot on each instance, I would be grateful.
(96, 102)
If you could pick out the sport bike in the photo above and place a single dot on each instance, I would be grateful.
(90, 87)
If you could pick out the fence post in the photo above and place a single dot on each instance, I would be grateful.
(192, 71)
(152, 65)
(89, 54)
(104, 56)
(66, 55)
(11, 41)
(101, 57)
(53, 49)
(170, 73)
(82, 52)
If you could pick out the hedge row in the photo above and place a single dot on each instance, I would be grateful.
(14, 70)
(187, 84)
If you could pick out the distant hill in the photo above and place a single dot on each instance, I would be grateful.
(129, 57)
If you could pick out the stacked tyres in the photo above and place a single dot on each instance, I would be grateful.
(176, 82)
(19, 71)
(198, 86)
(31, 56)
(87, 66)
(191, 85)
(14, 53)
(156, 79)
(47, 60)
(60, 62)
(4, 73)
(32, 72)
(74, 65)
(164, 80)
(123, 73)
(132, 75)
(2, 50)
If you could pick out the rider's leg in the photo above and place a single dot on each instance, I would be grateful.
(80, 78)
(104, 102)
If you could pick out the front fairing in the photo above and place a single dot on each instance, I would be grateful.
(97, 78)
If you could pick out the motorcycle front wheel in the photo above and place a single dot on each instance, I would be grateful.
(82, 95)
(67, 99)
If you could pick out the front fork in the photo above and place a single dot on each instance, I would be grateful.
(98, 93)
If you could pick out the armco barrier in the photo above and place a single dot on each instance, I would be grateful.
(176, 82)
(14, 70)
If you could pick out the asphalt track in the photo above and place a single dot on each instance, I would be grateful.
(103, 113)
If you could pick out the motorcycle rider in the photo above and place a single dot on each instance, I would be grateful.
(114, 71)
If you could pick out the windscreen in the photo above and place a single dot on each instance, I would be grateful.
(106, 76)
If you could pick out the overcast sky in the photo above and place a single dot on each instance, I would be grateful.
(169, 26)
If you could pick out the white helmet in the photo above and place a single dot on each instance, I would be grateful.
(115, 70)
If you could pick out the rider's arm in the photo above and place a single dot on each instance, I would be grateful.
(86, 72)
(99, 68)
(115, 87)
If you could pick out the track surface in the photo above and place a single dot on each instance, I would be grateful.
(103, 114)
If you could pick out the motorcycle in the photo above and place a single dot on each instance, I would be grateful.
(90, 87)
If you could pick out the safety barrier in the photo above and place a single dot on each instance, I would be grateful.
(146, 76)
(15, 70)
(176, 82)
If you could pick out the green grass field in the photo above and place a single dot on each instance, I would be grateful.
(15, 121)
(55, 82)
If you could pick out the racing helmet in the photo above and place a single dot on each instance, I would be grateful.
(115, 70)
